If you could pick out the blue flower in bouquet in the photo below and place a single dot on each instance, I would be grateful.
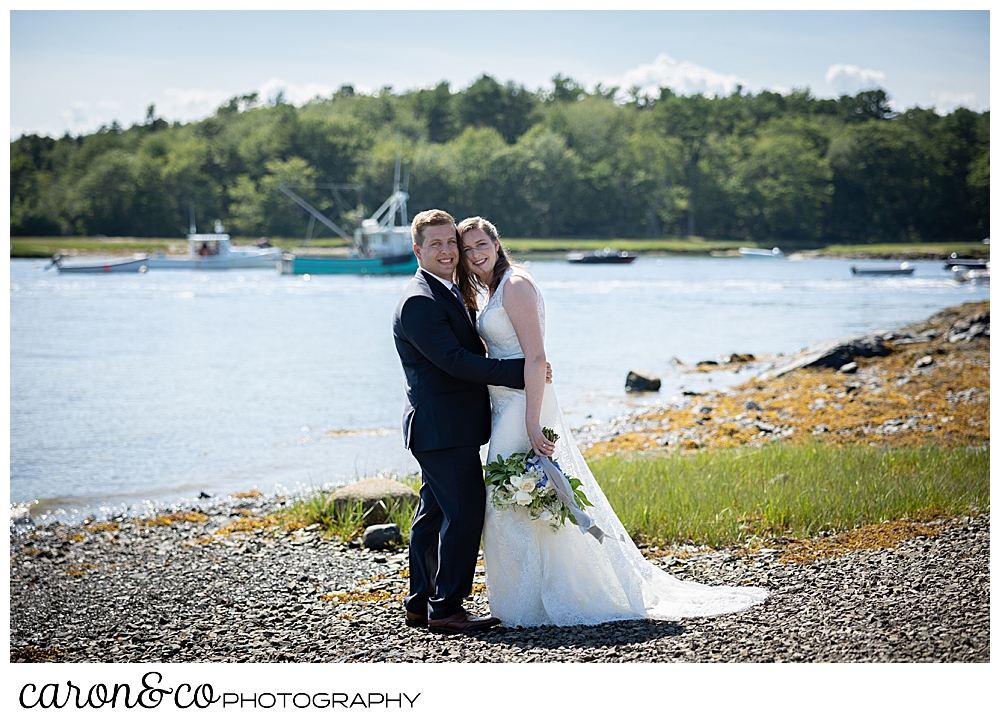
(520, 481)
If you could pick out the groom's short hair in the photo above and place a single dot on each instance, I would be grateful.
(433, 217)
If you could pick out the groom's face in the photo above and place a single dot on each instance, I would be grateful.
(439, 251)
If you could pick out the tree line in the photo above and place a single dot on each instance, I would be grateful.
(562, 161)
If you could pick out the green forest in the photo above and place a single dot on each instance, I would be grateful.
(557, 162)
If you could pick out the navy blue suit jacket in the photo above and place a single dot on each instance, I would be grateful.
(446, 369)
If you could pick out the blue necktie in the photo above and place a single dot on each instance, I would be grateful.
(458, 295)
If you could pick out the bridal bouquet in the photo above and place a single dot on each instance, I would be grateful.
(521, 481)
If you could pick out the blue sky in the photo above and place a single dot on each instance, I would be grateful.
(74, 71)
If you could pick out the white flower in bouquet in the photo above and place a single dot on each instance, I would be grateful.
(520, 480)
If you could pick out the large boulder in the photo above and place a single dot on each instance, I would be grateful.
(970, 327)
(641, 381)
(834, 354)
(376, 495)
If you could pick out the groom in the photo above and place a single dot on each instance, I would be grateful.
(445, 421)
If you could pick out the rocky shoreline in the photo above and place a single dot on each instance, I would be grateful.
(927, 383)
(209, 585)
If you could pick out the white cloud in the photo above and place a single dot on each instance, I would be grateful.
(850, 79)
(684, 78)
(946, 102)
(177, 104)
(83, 117)
(294, 94)
(191, 104)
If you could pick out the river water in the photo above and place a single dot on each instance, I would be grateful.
(140, 389)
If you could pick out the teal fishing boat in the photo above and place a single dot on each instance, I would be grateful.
(401, 264)
(379, 245)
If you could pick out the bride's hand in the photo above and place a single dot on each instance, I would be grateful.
(548, 373)
(539, 442)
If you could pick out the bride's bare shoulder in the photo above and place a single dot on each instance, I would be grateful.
(519, 286)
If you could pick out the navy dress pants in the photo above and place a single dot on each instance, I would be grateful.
(447, 528)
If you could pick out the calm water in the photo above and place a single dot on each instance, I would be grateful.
(131, 387)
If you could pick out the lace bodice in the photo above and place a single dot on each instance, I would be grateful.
(494, 325)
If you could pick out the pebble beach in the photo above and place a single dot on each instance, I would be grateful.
(172, 590)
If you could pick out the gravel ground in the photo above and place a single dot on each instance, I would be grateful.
(179, 592)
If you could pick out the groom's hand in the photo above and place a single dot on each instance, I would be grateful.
(548, 373)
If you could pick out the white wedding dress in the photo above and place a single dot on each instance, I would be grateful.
(539, 576)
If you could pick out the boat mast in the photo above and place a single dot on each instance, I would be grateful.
(286, 188)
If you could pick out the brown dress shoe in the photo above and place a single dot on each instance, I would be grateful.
(461, 622)
(415, 621)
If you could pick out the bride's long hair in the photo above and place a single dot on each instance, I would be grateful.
(470, 285)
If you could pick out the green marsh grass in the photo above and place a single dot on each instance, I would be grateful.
(970, 248)
(726, 497)
(702, 246)
(46, 246)
(662, 245)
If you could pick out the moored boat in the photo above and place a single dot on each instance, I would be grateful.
(606, 255)
(966, 274)
(755, 253)
(379, 246)
(138, 263)
(904, 269)
(212, 251)
(401, 264)
(965, 263)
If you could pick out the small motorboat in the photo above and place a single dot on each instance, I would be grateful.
(755, 253)
(138, 263)
(966, 274)
(606, 255)
(904, 269)
(954, 261)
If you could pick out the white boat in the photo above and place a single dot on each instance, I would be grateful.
(212, 251)
(760, 253)
(138, 263)
(966, 274)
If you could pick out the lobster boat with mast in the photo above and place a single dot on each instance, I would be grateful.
(378, 246)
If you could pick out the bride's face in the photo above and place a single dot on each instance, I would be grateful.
(480, 252)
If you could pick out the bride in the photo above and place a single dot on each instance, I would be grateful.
(536, 575)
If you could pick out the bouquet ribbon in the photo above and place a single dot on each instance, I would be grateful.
(564, 491)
